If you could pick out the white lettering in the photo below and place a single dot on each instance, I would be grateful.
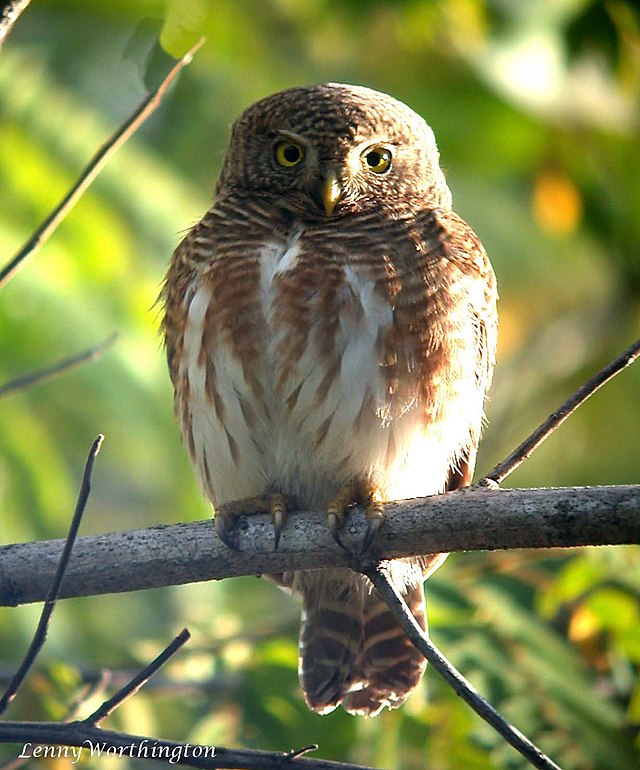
(173, 754)
(160, 751)
(94, 748)
(142, 749)
(23, 754)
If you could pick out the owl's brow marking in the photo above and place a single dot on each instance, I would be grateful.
(283, 133)
(371, 142)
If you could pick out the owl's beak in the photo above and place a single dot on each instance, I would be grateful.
(330, 192)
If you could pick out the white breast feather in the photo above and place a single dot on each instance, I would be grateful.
(280, 452)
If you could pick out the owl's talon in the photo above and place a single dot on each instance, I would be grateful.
(333, 522)
(373, 525)
(375, 519)
(278, 524)
(278, 511)
(222, 531)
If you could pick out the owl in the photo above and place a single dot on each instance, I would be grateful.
(330, 330)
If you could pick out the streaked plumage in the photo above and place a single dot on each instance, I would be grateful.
(310, 344)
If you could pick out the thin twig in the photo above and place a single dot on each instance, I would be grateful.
(132, 687)
(447, 670)
(35, 378)
(295, 753)
(532, 442)
(150, 104)
(9, 15)
(88, 736)
(40, 634)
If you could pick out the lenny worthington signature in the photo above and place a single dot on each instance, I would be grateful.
(170, 752)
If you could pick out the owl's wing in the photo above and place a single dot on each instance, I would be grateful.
(457, 262)
(461, 293)
(177, 291)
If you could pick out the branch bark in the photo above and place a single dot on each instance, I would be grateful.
(465, 520)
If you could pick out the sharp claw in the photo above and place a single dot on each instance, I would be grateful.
(278, 524)
(332, 521)
(373, 525)
(223, 532)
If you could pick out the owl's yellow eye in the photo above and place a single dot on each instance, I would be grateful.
(378, 160)
(288, 154)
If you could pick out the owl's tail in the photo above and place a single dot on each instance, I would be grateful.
(352, 650)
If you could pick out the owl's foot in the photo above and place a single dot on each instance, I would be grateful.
(356, 492)
(273, 503)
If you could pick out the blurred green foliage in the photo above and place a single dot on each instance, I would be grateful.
(536, 108)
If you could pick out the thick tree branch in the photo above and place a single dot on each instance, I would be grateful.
(466, 520)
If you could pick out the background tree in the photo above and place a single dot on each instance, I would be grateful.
(536, 110)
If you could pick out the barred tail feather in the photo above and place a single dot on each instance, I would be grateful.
(352, 650)
(388, 664)
(330, 636)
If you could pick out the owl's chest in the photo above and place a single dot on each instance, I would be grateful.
(325, 322)
(282, 365)
(310, 360)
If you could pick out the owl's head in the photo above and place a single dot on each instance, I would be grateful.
(329, 150)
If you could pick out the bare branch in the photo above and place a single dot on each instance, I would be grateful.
(138, 681)
(55, 582)
(555, 419)
(35, 378)
(96, 164)
(447, 670)
(9, 15)
(465, 520)
(89, 737)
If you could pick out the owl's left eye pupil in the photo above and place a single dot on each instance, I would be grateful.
(291, 153)
(378, 160)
